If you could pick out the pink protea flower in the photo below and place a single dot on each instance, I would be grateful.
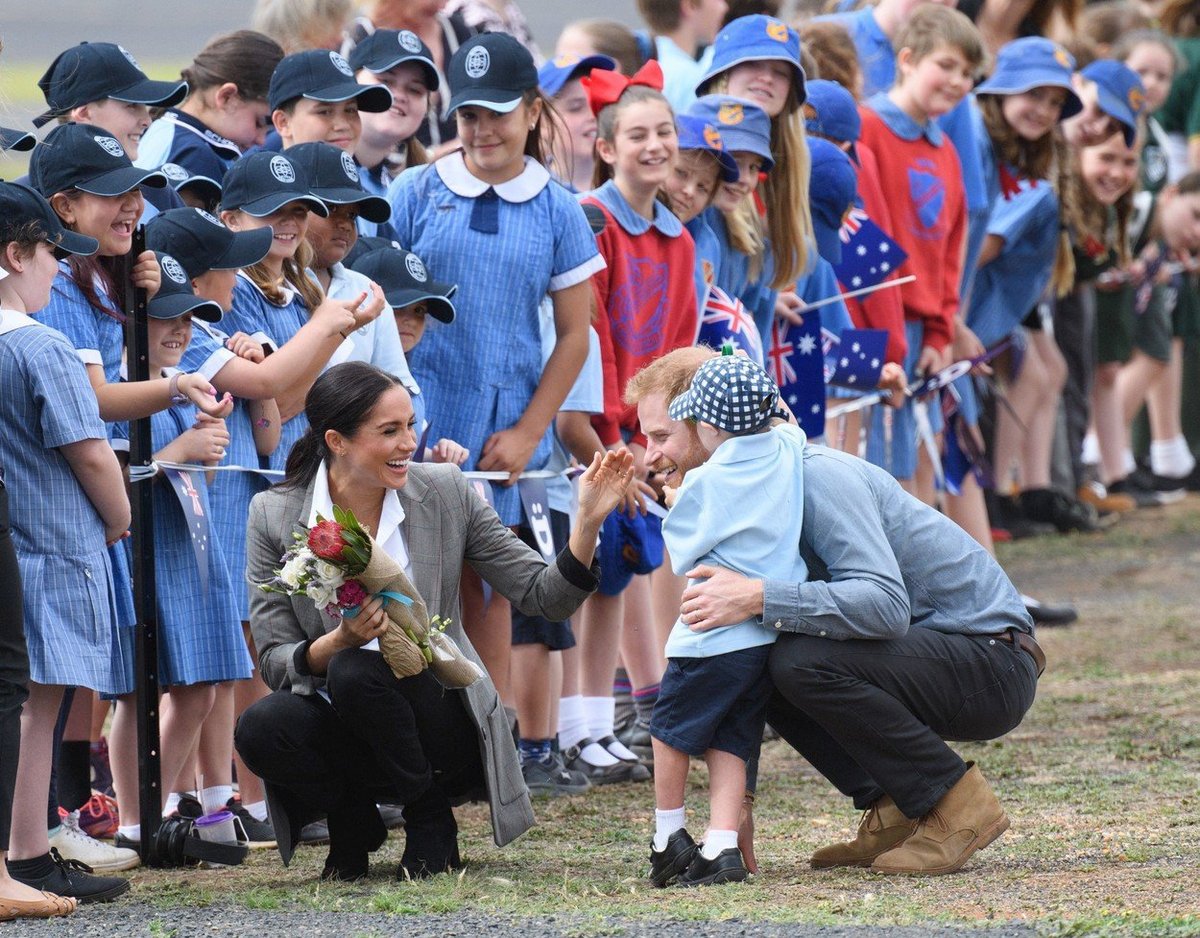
(326, 541)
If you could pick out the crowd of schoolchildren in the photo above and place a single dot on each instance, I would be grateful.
(514, 243)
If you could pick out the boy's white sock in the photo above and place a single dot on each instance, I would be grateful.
(215, 798)
(132, 831)
(1091, 450)
(1171, 458)
(257, 809)
(716, 841)
(172, 804)
(666, 823)
(1128, 463)
(572, 724)
(599, 713)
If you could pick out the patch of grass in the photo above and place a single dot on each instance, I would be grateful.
(1124, 926)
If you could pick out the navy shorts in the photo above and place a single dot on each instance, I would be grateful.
(537, 630)
(714, 703)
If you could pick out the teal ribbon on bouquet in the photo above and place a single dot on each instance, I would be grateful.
(387, 596)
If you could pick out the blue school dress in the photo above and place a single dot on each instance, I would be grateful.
(99, 339)
(708, 257)
(506, 247)
(200, 630)
(229, 493)
(271, 324)
(46, 401)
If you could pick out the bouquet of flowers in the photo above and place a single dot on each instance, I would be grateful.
(335, 563)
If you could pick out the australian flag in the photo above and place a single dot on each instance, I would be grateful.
(869, 255)
(725, 319)
(855, 360)
(796, 361)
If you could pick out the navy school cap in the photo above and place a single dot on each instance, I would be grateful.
(695, 133)
(1120, 93)
(384, 49)
(180, 178)
(405, 280)
(92, 71)
(491, 70)
(556, 72)
(832, 187)
(16, 139)
(20, 205)
(322, 75)
(88, 158)
(201, 243)
(332, 177)
(175, 295)
(743, 125)
(262, 183)
(365, 244)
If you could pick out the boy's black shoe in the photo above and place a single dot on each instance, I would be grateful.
(1005, 513)
(666, 865)
(1065, 513)
(69, 878)
(725, 867)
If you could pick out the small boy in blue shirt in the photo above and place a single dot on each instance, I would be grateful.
(741, 510)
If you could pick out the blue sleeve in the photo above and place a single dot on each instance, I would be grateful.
(205, 354)
(587, 393)
(1025, 212)
(576, 256)
(401, 196)
(246, 314)
(70, 313)
(960, 127)
(63, 397)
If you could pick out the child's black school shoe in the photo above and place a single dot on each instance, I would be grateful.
(666, 865)
(68, 878)
(725, 867)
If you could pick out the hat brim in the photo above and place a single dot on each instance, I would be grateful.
(557, 76)
(211, 187)
(1071, 105)
(270, 204)
(371, 207)
(432, 78)
(798, 76)
(72, 242)
(500, 100)
(160, 93)
(174, 305)
(683, 407)
(374, 99)
(436, 297)
(16, 139)
(246, 248)
(737, 143)
(120, 181)
(1117, 109)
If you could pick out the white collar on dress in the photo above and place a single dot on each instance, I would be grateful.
(11, 319)
(390, 518)
(453, 171)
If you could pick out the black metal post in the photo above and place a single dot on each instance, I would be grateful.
(137, 363)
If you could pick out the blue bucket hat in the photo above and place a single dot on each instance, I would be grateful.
(628, 546)
(695, 133)
(1033, 62)
(755, 38)
(743, 126)
(831, 112)
(1121, 94)
(556, 72)
(832, 187)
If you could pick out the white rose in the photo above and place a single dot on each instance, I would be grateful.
(329, 575)
(321, 595)
(291, 573)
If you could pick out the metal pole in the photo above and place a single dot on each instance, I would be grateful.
(137, 360)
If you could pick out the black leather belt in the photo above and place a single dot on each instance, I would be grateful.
(1026, 643)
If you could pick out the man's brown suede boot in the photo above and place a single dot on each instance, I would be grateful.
(882, 828)
(967, 818)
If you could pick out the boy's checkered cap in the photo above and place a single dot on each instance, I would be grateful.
(731, 392)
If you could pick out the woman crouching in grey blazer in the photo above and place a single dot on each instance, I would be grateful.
(340, 732)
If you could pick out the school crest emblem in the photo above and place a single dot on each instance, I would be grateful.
(777, 30)
(563, 61)
(416, 268)
(282, 169)
(172, 269)
(730, 113)
(207, 217)
(1063, 58)
(348, 167)
(109, 145)
(478, 62)
(129, 57)
(1137, 100)
(408, 41)
(341, 64)
(712, 137)
(706, 268)
(173, 171)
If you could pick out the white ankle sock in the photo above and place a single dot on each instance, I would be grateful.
(257, 809)
(666, 823)
(600, 713)
(132, 831)
(621, 751)
(1128, 463)
(172, 804)
(716, 841)
(1172, 458)
(597, 755)
(1091, 450)
(215, 798)
(572, 724)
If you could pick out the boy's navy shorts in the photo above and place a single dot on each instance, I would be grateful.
(714, 703)
(537, 630)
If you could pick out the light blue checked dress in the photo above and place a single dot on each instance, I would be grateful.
(99, 339)
(200, 631)
(480, 371)
(229, 493)
(47, 402)
(273, 325)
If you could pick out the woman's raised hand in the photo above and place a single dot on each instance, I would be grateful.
(368, 623)
(603, 485)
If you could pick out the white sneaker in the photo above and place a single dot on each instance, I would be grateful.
(74, 844)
